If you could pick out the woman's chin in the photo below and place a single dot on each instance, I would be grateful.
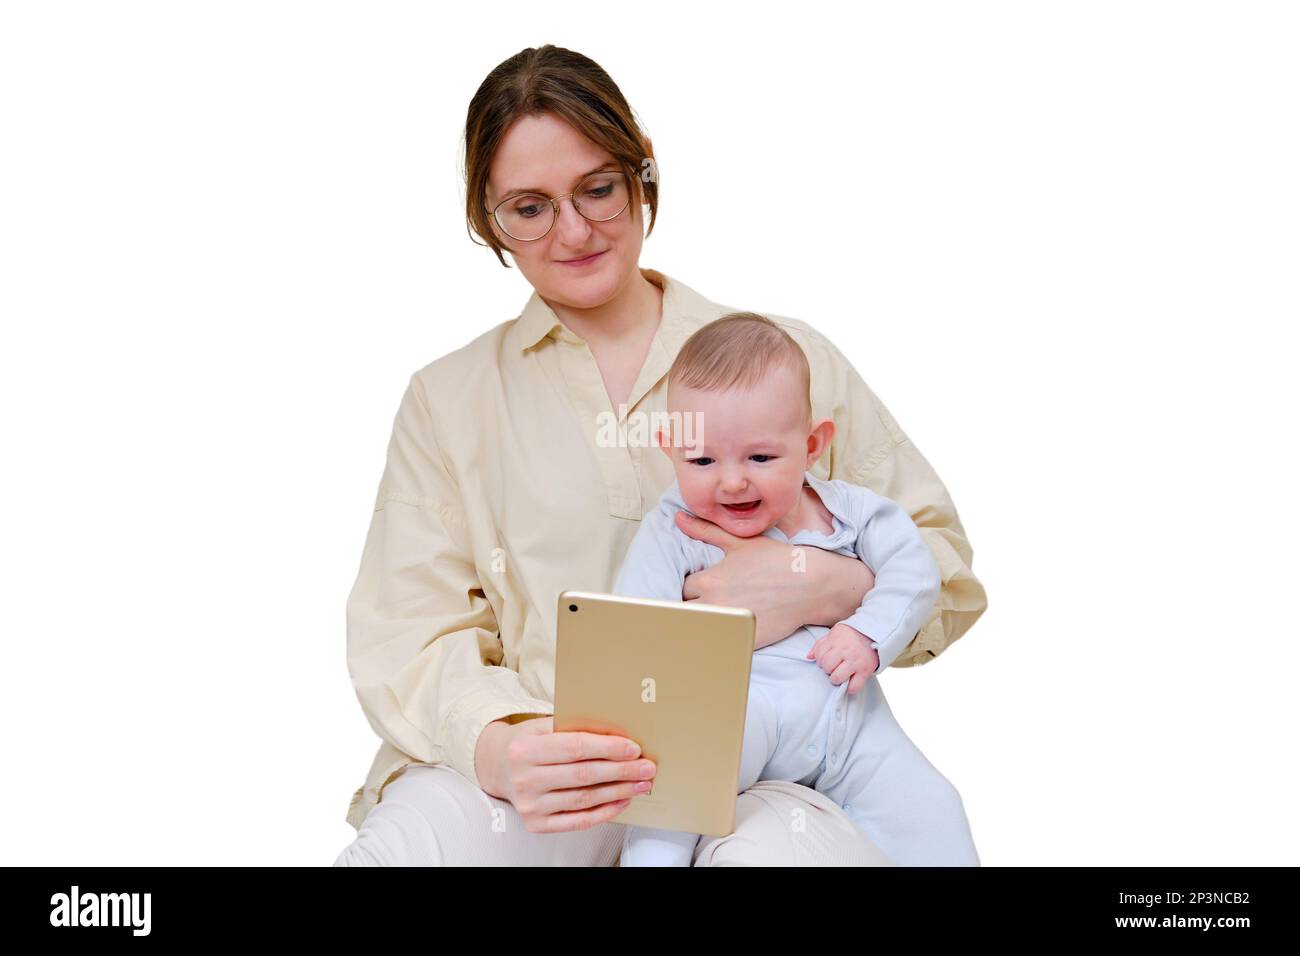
(584, 292)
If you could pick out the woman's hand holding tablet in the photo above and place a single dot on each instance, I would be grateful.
(560, 781)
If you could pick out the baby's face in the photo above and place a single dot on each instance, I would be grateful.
(752, 446)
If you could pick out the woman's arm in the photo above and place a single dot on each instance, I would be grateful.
(870, 449)
(426, 657)
(834, 582)
(785, 588)
(422, 642)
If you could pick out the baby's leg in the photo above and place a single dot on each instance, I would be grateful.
(889, 789)
(650, 846)
(760, 741)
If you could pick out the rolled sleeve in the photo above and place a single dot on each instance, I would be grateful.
(871, 450)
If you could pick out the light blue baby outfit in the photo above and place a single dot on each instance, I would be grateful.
(799, 726)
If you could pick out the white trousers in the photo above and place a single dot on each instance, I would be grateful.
(433, 816)
(800, 727)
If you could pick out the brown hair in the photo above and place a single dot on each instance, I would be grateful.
(739, 349)
(555, 80)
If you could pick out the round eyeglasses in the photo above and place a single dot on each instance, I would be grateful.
(600, 197)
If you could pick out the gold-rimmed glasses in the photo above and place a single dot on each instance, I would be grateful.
(599, 197)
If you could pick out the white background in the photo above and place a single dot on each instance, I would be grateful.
(1058, 240)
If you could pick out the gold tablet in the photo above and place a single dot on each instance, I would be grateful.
(674, 677)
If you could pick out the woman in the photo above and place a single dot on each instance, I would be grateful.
(503, 487)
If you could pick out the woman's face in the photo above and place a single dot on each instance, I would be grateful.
(542, 153)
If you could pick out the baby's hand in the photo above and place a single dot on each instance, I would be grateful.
(846, 654)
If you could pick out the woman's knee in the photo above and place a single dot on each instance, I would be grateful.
(779, 823)
(433, 816)
(423, 818)
(393, 834)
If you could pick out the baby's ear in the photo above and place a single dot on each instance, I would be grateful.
(819, 439)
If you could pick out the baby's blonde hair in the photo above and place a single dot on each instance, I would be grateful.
(739, 349)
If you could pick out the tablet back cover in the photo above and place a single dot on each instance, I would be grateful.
(674, 677)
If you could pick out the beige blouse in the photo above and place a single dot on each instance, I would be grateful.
(510, 479)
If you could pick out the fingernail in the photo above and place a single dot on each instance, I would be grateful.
(632, 750)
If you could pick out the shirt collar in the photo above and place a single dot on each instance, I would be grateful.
(684, 310)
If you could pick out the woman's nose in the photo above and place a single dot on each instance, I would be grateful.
(571, 224)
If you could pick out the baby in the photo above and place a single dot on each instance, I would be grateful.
(816, 714)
